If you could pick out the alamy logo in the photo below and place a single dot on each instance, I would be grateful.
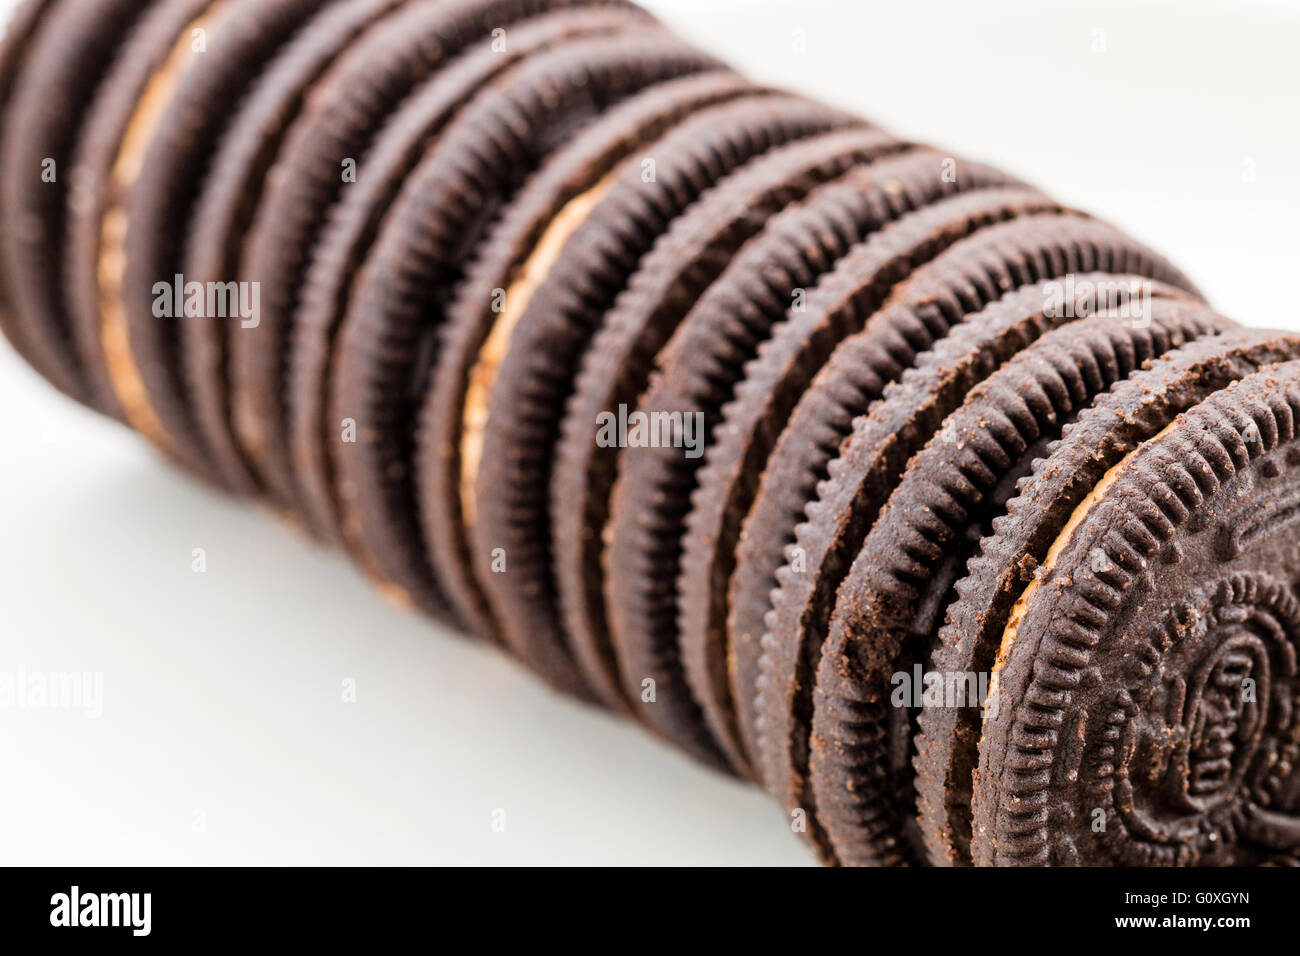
(943, 689)
(53, 690)
(1074, 298)
(208, 300)
(638, 429)
(75, 908)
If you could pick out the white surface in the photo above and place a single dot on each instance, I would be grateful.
(224, 737)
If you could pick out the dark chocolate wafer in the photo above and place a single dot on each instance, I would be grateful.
(18, 37)
(389, 339)
(364, 127)
(616, 370)
(937, 299)
(566, 309)
(744, 515)
(303, 329)
(891, 601)
(226, 207)
(697, 371)
(588, 469)
(62, 68)
(951, 514)
(117, 126)
(169, 161)
(847, 295)
(513, 260)
(1134, 411)
(1147, 685)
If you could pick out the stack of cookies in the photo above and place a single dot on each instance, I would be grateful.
(949, 514)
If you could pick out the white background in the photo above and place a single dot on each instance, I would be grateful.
(224, 738)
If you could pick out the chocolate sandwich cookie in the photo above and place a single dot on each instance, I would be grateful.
(144, 296)
(535, 377)
(844, 297)
(584, 471)
(893, 597)
(773, 675)
(511, 262)
(1147, 686)
(368, 119)
(751, 493)
(303, 323)
(615, 372)
(225, 209)
(18, 36)
(389, 338)
(1134, 411)
(696, 372)
(863, 465)
(116, 132)
(68, 57)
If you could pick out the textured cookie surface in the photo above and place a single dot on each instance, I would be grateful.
(391, 334)
(745, 516)
(365, 127)
(157, 52)
(70, 47)
(514, 259)
(156, 213)
(1132, 412)
(225, 209)
(1147, 681)
(864, 461)
(615, 374)
(898, 586)
(551, 337)
(696, 375)
(949, 514)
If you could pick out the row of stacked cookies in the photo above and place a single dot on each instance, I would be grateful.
(951, 515)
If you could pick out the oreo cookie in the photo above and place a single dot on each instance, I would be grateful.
(512, 261)
(1132, 412)
(389, 339)
(744, 518)
(932, 306)
(891, 601)
(547, 343)
(697, 371)
(18, 36)
(1147, 678)
(116, 131)
(718, 407)
(616, 370)
(225, 209)
(304, 332)
(162, 169)
(844, 297)
(71, 46)
(339, 170)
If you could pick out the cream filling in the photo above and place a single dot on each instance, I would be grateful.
(478, 391)
(123, 369)
(1077, 518)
